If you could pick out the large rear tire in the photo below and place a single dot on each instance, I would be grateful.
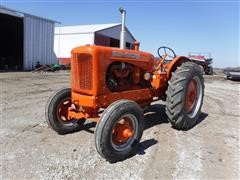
(57, 110)
(119, 130)
(185, 96)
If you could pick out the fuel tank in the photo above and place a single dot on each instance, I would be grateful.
(89, 65)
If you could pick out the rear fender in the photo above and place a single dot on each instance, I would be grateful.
(172, 66)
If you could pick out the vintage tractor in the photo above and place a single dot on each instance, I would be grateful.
(118, 84)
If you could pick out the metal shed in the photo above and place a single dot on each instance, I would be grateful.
(69, 37)
(25, 40)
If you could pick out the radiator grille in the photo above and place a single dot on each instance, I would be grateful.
(83, 71)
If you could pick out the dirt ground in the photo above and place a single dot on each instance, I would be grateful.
(31, 150)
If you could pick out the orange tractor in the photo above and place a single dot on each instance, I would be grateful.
(118, 84)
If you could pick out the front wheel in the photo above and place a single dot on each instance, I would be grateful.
(185, 96)
(57, 113)
(119, 130)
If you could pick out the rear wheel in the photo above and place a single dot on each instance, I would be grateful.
(185, 96)
(57, 113)
(119, 130)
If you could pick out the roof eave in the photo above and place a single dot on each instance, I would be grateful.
(21, 12)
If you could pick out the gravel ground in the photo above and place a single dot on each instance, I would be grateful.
(31, 150)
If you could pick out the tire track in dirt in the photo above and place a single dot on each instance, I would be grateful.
(189, 156)
(218, 103)
(163, 156)
(216, 148)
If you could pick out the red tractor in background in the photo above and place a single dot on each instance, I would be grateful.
(203, 59)
(112, 86)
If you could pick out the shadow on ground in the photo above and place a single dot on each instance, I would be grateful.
(153, 115)
(201, 118)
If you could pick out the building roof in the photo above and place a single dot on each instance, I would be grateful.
(86, 29)
(12, 12)
(4, 10)
(83, 29)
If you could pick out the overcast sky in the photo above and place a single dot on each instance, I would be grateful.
(185, 26)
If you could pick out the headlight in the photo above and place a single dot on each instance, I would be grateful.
(147, 76)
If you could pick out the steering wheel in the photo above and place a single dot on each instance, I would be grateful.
(167, 52)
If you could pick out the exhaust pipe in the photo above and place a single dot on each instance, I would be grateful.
(123, 30)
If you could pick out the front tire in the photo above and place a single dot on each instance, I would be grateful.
(119, 130)
(57, 110)
(185, 96)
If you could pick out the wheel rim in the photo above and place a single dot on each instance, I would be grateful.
(62, 110)
(193, 97)
(124, 132)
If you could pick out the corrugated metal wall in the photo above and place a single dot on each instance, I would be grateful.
(38, 42)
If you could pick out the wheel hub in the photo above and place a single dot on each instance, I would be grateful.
(62, 111)
(122, 131)
(191, 95)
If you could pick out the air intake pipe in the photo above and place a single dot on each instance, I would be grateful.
(123, 30)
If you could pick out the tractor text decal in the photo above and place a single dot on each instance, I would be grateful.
(125, 55)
